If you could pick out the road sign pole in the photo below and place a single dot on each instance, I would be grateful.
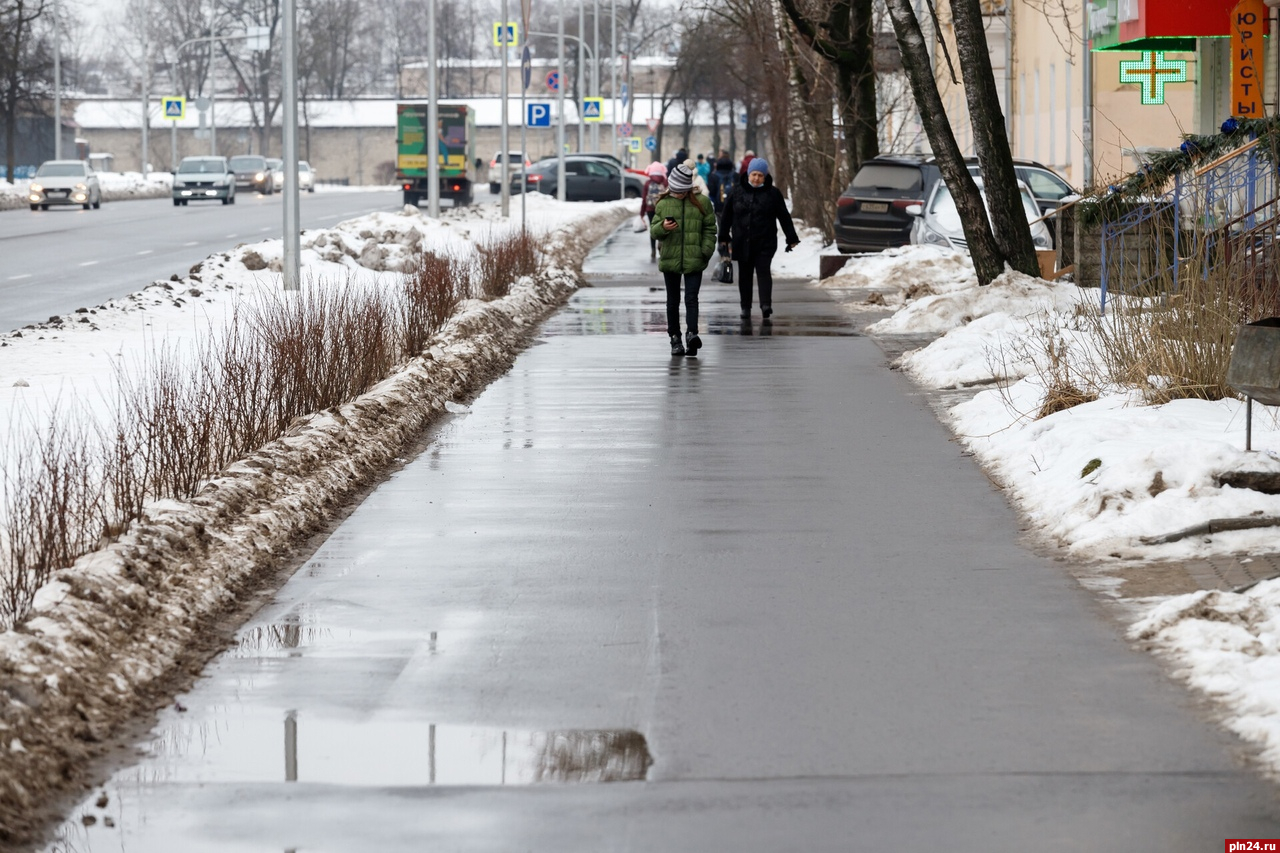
(173, 143)
(582, 61)
(613, 89)
(289, 141)
(560, 175)
(506, 148)
(595, 70)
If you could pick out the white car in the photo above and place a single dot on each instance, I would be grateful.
(306, 177)
(503, 166)
(65, 182)
(937, 222)
(276, 167)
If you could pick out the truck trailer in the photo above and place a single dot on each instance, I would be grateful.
(455, 146)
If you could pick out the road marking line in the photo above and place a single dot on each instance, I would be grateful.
(231, 236)
(146, 251)
(268, 228)
(16, 277)
(192, 243)
(88, 263)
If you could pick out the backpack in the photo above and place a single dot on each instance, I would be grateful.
(651, 198)
(724, 185)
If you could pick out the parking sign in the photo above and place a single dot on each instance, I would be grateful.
(537, 114)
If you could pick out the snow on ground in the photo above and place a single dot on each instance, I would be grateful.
(116, 186)
(1103, 479)
(116, 624)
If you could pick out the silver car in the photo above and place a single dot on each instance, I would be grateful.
(65, 182)
(277, 174)
(938, 223)
(204, 179)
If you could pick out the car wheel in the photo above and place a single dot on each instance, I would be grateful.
(35, 207)
(226, 201)
(495, 188)
(184, 202)
(44, 207)
(632, 192)
(87, 206)
(177, 203)
(97, 205)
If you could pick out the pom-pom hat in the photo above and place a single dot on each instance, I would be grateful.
(680, 179)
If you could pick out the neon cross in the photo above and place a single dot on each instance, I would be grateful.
(1153, 71)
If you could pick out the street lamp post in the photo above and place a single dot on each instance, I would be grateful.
(289, 141)
(506, 148)
(561, 181)
(582, 43)
(57, 84)
(433, 117)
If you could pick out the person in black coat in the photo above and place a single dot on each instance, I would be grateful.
(721, 183)
(749, 224)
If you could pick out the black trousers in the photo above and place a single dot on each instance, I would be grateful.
(756, 260)
(692, 284)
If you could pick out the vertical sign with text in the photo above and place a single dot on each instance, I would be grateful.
(1248, 22)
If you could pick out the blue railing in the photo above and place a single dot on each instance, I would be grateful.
(1146, 250)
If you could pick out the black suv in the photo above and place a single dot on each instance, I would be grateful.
(871, 214)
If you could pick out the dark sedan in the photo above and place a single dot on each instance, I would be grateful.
(588, 179)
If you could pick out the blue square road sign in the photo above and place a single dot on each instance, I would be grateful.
(537, 114)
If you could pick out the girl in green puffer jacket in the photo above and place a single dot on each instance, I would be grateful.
(684, 224)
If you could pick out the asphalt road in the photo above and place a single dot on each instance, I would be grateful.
(771, 567)
(54, 261)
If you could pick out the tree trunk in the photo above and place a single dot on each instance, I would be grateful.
(988, 261)
(1004, 199)
(866, 135)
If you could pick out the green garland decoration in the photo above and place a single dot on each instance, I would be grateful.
(1106, 204)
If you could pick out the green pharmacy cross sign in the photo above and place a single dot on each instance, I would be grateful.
(1153, 71)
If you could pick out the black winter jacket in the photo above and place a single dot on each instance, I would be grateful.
(752, 215)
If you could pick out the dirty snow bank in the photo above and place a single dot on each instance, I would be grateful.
(106, 634)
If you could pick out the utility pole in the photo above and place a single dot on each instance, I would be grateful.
(595, 71)
(562, 177)
(57, 83)
(433, 118)
(146, 97)
(1086, 124)
(506, 148)
(289, 141)
(582, 37)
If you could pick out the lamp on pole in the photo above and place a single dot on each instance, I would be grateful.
(506, 148)
(581, 71)
(57, 84)
(595, 69)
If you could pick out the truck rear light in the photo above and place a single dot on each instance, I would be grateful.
(408, 186)
(457, 187)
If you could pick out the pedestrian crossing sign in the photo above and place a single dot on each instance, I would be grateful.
(634, 144)
(593, 109)
(175, 109)
(507, 34)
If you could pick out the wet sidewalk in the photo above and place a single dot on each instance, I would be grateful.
(753, 601)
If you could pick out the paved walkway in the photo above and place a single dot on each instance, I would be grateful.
(768, 571)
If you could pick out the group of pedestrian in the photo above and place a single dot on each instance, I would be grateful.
(691, 208)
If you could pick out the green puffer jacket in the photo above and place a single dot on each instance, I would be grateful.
(688, 248)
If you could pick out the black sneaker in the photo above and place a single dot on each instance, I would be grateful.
(766, 310)
(677, 348)
(693, 343)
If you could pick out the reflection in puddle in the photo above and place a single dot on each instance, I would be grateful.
(292, 746)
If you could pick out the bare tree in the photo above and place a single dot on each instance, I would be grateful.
(257, 71)
(988, 260)
(25, 63)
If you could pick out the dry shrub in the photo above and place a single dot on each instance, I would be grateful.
(502, 260)
(1178, 345)
(70, 485)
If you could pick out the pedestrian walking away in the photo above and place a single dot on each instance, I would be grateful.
(653, 187)
(680, 157)
(746, 161)
(721, 182)
(684, 224)
(749, 226)
(704, 168)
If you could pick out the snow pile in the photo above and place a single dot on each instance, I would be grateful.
(1227, 645)
(120, 186)
(106, 634)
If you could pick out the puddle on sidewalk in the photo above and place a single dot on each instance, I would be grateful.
(288, 746)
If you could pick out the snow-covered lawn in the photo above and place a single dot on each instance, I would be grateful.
(1101, 480)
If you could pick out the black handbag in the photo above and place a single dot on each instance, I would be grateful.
(724, 272)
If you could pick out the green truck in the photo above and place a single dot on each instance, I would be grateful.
(455, 146)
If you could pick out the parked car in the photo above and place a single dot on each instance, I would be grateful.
(251, 171)
(503, 166)
(601, 155)
(871, 215)
(1048, 188)
(306, 177)
(277, 174)
(65, 182)
(204, 179)
(938, 223)
(588, 179)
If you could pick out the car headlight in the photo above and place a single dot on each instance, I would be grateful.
(36, 188)
(258, 176)
(933, 238)
(1042, 242)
